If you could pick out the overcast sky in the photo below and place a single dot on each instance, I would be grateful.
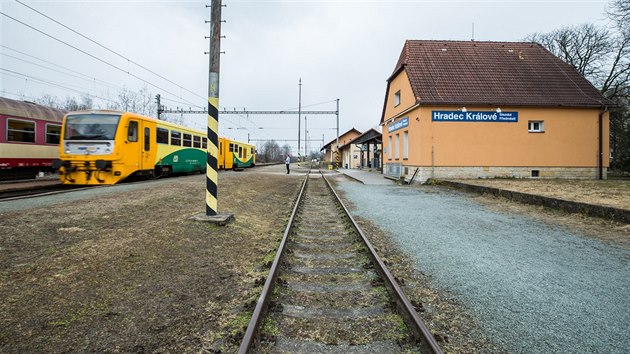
(340, 49)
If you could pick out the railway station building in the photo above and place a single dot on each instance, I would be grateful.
(348, 153)
(457, 109)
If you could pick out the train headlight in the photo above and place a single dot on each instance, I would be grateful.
(68, 151)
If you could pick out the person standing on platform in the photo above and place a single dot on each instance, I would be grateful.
(287, 161)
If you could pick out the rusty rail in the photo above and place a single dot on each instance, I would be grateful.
(263, 300)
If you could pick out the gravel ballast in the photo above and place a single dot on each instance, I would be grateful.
(534, 287)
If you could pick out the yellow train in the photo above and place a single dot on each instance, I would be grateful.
(105, 147)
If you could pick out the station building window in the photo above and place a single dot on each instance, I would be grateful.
(536, 126)
(53, 133)
(397, 146)
(405, 145)
(21, 131)
(397, 98)
(162, 136)
(176, 138)
(389, 148)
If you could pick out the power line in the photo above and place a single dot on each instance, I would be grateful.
(110, 50)
(94, 57)
(104, 83)
(51, 83)
(83, 77)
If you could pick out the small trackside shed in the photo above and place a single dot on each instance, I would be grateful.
(491, 109)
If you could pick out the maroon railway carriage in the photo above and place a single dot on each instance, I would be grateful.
(29, 138)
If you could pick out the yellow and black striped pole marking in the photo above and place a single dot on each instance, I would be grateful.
(299, 159)
(213, 109)
(337, 159)
(213, 153)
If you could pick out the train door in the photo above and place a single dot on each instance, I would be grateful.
(133, 153)
(146, 148)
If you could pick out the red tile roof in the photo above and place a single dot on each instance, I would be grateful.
(493, 74)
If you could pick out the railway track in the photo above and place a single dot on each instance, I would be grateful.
(328, 291)
(35, 190)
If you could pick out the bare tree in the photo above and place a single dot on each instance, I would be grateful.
(601, 55)
(49, 101)
(598, 54)
(140, 102)
(269, 151)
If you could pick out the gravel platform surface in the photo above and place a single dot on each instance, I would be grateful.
(535, 288)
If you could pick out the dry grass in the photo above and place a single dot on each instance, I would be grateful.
(128, 272)
(612, 193)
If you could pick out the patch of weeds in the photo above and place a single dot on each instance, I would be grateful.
(269, 328)
(401, 330)
(91, 309)
(238, 326)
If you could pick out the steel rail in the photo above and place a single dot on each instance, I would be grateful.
(263, 300)
(405, 309)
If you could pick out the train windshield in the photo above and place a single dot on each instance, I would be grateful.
(91, 126)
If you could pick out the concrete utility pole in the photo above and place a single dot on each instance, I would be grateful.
(212, 183)
(337, 157)
(213, 108)
(299, 118)
(305, 138)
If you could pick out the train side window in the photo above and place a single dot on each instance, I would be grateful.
(187, 139)
(240, 152)
(162, 136)
(21, 131)
(53, 133)
(132, 131)
(204, 143)
(147, 139)
(176, 138)
(252, 151)
(196, 141)
(231, 149)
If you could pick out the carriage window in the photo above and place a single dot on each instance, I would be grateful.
(252, 151)
(196, 141)
(240, 152)
(162, 136)
(204, 143)
(176, 138)
(20, 130)
(231, 148)
(53, 132)
(187, 139)
(147, 139)
(132, 131)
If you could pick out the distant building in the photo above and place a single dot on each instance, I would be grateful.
(369, 144)
(348, 154)
(491, 109)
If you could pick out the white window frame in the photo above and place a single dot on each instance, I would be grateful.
(390, 152)
(405, 145)
(397, 98)
(23, 131)
(531, 126)
(47, 133)
(397, 147)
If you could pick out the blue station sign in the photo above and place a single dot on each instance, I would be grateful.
(403, 123)
(474, 116)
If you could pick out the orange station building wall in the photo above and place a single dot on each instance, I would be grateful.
(567, 148)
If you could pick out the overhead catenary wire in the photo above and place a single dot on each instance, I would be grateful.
(51, 83)
(111, 50)
(102, 82)
(94, 57)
